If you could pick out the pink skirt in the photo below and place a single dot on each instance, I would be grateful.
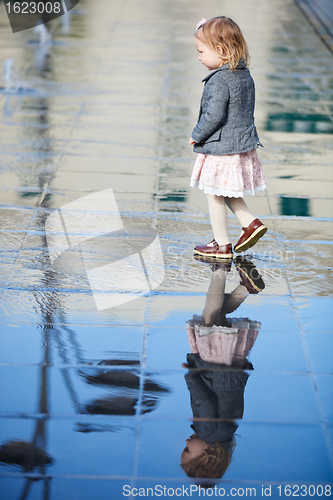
(233, 176)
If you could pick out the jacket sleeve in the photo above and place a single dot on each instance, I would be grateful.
(214, 115)
(203, 400)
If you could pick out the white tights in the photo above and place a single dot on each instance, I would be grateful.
(219, 218)
(219, 303)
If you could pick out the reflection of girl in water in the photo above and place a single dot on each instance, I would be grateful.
(216, 378)
(199, 459)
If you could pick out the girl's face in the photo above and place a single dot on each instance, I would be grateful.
(208, 57)
(194, 447)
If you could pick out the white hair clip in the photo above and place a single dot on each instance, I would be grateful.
(200, 23)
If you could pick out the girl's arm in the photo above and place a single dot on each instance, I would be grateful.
(215, 114)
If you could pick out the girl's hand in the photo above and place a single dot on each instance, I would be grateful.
(191, 141)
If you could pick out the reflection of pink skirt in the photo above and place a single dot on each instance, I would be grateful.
(233, 176)
(221, 344)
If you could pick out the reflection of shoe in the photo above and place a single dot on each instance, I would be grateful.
(250, 278)
(215, 263)
(251, 235)
(212, 249)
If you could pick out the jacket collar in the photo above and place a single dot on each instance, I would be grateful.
(241, 65)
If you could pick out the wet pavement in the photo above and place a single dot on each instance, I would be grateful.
(100, 403)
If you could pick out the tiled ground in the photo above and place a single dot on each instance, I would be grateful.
(103, 393)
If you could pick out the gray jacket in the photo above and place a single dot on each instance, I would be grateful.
(226, 121)
(217, 398)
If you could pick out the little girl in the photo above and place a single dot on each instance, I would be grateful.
(227, 166)
(217, 378)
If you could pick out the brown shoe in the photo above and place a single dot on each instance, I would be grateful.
(251, 235)
(212, 249)
(248, 273)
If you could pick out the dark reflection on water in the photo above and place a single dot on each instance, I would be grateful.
(297, 122)
(295, 206)
(217, 378)
(137, 395)
(179, 197)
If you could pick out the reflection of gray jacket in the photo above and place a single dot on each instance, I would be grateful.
(217, 392)
(226, 121)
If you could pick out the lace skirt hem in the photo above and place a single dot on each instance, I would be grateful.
(225, 192)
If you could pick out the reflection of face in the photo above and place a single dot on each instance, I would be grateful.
(194, 447)
(208, 57)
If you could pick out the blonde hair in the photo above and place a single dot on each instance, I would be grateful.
(212, 463)
(224, 32)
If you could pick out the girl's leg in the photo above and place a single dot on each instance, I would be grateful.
(252, 228)
(218, 218)
(240, 209)
(234, 299)
(214, 300)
